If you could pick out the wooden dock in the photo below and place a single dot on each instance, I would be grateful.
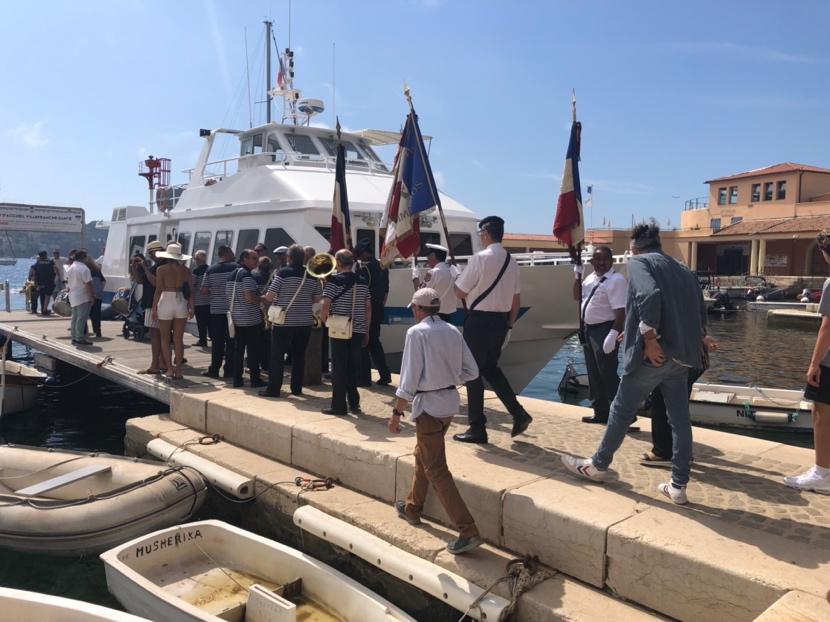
(745, 548)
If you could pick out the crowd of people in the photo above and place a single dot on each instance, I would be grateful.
(259, 315)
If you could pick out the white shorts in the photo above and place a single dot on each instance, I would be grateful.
(172, 306)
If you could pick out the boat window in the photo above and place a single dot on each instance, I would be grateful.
(325, 232)
(275, 147)
(136, 244)
(351, 151)
(251, 144)
(428, 238)
(276, 237)
(368, 235)
(152, 238)
(301, 143)
(184, 240)
(201, 242)
(369, 152)
(247, 238)
(222, 238)
(461, 244)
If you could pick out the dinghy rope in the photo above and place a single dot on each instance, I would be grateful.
(523, 574)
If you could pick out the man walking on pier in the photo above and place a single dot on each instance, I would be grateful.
(213, 284)
(664, 330)
(435, 360)
(79, 281)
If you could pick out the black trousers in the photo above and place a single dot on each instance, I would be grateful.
(221, 347)
(247, 338)
(661, 438)
(345, 366)
(95, 316)
(484, 333)
(374, 351)
(202, 313)
(602, 369)
(33, 299)
(324, 359)
(293, 339)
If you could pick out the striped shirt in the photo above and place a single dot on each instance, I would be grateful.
(244, 313)
(198, 273)
(215, 279)
(285, 284)
(343, 304)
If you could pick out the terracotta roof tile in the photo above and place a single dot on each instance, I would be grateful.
(784, 167)
(801, 224)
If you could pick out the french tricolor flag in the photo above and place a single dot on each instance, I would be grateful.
(568, 225)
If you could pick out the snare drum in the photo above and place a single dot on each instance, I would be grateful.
(61, 305)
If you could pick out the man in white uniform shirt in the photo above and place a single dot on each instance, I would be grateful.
(435, 360)
(490, 285)
(604, 294)
(79, 282)
(440, 277)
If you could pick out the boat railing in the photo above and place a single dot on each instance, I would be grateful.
(229, 166)
(533, 258)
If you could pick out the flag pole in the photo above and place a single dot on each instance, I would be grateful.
(347, 227)
(576, 253)
(408, 94)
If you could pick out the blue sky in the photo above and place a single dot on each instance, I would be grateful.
(670, 94)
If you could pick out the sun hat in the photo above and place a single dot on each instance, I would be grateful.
(174, 251)
(155, 245)
(425, 297)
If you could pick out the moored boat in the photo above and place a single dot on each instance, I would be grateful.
(212, 571)
(22, 606)
(729, 406)
(19, 387)
(74, 503)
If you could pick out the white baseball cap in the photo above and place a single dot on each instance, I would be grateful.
(425, 297)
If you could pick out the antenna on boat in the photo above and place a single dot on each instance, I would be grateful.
(248, 75)
(268, 96)
(333, 81)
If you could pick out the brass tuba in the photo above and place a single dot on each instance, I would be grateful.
(320, 266)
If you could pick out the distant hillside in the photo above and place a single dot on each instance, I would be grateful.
(28, 243)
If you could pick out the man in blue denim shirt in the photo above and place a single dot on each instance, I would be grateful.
(664, 335)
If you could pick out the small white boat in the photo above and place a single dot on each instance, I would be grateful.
(19, 387)
(74, 503)
(22, 606)
(730, 406)
(212, 571)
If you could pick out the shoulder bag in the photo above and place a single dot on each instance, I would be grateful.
(340, 326)
(229, 312)
(276, 315)
(487, 291)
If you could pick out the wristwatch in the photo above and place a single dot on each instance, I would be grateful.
(396, 412)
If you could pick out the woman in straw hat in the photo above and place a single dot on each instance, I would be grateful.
(172, 305)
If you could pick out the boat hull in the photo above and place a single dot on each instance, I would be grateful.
(95, 513)
(21, 387)
(22, 606)
(164, 575)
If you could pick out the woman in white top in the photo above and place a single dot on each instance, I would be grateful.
(172, 306)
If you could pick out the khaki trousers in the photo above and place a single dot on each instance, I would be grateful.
(431, 468)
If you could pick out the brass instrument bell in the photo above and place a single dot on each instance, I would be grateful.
(320, 266)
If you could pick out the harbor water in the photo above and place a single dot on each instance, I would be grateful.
(751, 353)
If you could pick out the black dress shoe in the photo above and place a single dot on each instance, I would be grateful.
(237, 384)
(384, 382)
(520, 424)
(211, 374)
(471, 436)
(594, 419)
(293, 392)
(331, 411)
(257, 382)
(356, 410)
(267, 393)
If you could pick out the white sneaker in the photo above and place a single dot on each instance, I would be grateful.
(810, 480)
(677, 495)
(584, 468)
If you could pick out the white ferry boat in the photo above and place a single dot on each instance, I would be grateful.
(278, 190)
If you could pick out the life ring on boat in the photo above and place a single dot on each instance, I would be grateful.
(164, 198)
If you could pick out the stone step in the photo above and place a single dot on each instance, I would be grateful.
(557, 598)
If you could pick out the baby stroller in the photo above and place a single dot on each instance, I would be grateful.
(127, 306)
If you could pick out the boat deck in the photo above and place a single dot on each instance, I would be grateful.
(621, 537)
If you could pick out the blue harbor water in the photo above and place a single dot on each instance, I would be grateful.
(65, 417)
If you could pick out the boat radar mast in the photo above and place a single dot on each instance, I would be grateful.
(295, 109)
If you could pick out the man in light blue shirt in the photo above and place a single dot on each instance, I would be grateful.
(435, 361)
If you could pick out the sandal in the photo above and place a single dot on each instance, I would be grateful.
(150, 371)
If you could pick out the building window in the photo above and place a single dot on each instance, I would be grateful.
(768, 191)
(733, 195)
(781, 190)
(721, 196)
(736, 220)
(714, 224)
(756, 193)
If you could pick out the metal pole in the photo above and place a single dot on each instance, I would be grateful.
(8, 296)
(268, 71)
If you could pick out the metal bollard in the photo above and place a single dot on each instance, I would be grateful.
(8, 293)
